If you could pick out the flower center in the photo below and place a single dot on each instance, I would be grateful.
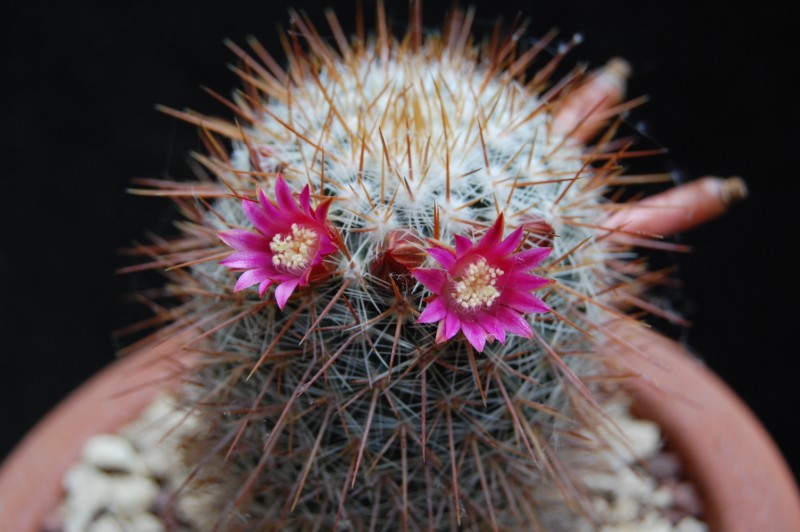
(476, 289)
(293, 252)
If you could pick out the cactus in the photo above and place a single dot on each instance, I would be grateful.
(397, 275)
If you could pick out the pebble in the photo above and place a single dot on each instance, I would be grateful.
(112, 454)
(94, 492)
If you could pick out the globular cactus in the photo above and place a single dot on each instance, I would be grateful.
(398, 277)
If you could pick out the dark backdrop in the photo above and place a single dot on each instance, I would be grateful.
(79, 84)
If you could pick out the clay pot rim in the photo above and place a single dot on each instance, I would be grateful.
(704, 421)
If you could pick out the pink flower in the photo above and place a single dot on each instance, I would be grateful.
(483, 289)
(289, 242)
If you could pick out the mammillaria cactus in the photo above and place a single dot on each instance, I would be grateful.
(398, 276)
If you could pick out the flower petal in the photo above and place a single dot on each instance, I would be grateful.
(326, 245)
(475, 334)
(262, 288)
(242, 240)
(435, 311)
(284, 290)
(305, 200)
(283, 193)
(443, 256)
(452, 324)
(433, 279)
(321, 212)
(523, 302)
(260, 216)
(524, 282)
(513, 322)
(492, 326)
(531, 257)
(463, 245)
(510, 244)
(251, 277)
(493, 235)
(247, 259)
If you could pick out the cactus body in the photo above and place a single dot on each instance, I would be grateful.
(331, 403)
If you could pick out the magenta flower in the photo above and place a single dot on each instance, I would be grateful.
(483, 289)
(289, 242)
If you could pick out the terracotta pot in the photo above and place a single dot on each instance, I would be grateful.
(745, 483)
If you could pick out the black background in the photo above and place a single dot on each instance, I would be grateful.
(79, 84)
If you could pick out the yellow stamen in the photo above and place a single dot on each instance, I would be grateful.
(293, 252)
(476, 289)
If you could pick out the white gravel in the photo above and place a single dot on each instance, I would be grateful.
(626, 497)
